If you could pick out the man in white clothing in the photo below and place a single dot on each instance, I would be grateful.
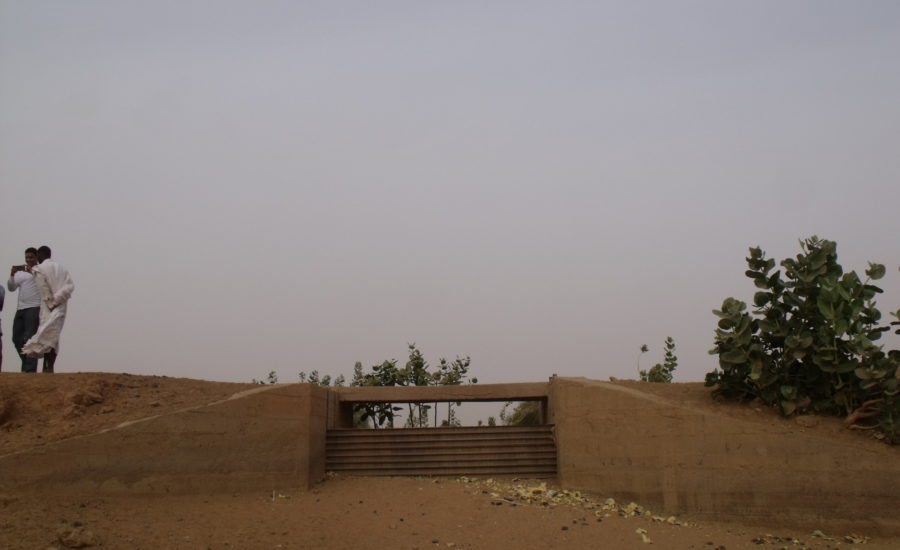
(55, 286)
(27, 318)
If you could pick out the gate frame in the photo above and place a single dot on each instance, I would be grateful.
(342, 399)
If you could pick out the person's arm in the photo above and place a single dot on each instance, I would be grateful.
(11, 284)
(64, 292)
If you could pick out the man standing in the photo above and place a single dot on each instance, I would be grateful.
(27, 318)
(55, 287)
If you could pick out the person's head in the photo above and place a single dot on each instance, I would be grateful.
(43, 253)
(31, 256)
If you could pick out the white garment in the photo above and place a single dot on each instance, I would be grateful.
(29, 296)
(55, 286)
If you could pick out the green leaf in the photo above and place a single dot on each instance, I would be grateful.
(875, 271)
(735, 356)
(756, 370)
(826, 308)
(871, 291)
(869, 373)
(841, 368)
(840, 326)
(743, 325)
(788, 407)
(791, 300)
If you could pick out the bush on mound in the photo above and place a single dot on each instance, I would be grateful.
(809, 343)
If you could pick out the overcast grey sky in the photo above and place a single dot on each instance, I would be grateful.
(239, 187)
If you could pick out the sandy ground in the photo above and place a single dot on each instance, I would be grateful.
(340, 512)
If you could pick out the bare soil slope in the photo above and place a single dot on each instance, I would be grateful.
(345, 512)
(695, 395)
(39, 409)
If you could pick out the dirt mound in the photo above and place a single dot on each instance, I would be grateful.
(695, 395)
(36, 409)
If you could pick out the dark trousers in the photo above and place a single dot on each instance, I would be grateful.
(25, 324)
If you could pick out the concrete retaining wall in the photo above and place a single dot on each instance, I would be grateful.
(632, 445)
(612, 439)
(264, 439)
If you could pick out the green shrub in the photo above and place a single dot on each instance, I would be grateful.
(809, 343)
(524, 413)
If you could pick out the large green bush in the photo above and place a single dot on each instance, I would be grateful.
(809, 343)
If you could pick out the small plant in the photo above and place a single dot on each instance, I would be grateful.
(644, 349)
(452, 373)
(385, 374)
(314, 378)
(272, 378)
(661, 372)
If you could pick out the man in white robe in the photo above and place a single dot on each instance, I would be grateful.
(55, 286)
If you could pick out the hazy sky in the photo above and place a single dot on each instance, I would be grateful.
(240, 187)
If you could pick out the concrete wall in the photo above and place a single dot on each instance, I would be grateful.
(267, 439)
(631, 445)
(612, 439)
